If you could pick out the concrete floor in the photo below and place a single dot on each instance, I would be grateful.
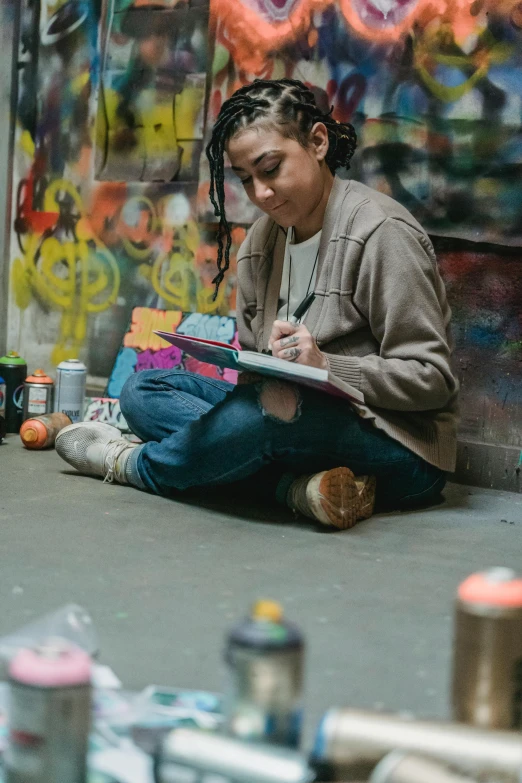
(164, 579)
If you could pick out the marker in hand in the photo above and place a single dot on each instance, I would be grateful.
(300, 310)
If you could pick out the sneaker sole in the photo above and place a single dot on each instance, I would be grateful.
(339, 498)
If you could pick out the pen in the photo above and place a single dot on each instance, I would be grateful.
(302, 308)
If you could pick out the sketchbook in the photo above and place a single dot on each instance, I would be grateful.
(224, 355)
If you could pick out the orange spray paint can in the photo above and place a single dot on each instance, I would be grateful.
(41, 432)
(38, 394)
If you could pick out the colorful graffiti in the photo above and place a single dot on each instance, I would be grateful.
(66, 268)
(144, 350)
(111, 211)
(86, 248)
(151, 107)
(433, 87)
(106, 411)
(485, 289)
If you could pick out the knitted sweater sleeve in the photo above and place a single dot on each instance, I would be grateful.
(401, 294)
(246, 301)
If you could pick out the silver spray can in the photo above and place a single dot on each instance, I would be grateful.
(350, 743)
(487, 658)
(38, 394)
(199, 756)
(71, 378)
(402, 767)
(265, 659)
(49, 714)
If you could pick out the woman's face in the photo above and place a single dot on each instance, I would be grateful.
(280, 176)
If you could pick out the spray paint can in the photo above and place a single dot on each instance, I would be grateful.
(3, 428)
(402, 767)
(265, 656)
(14, 372)
(197, 756)
(40, 432)
(487, 659)
(350, 743)
(38, 394)
(2, 397)
(50, 714)
(71, 378)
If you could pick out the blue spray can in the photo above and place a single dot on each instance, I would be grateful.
(265, 661)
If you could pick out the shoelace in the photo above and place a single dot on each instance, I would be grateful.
(115, 449)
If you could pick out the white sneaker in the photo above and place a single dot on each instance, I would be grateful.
(95, 449)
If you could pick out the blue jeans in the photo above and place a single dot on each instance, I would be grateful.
(201, 432)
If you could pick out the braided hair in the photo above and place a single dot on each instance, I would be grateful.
(291, 106)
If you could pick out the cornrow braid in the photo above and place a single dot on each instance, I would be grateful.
(291, 106)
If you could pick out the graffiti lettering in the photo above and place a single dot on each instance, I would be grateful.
(66, 269)
(144, 321)
(105, 411)
(165, 359)
(209, 327)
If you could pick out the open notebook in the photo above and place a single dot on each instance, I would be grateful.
(224, 355)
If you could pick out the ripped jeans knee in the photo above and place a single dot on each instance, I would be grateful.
(279, 401)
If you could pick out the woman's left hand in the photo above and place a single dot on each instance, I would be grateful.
(294, 343)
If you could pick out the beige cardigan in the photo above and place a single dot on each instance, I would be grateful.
(380, 314)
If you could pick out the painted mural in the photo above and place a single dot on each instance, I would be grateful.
(109, 139)
(433, 87)
(116, 101)
(143, 350)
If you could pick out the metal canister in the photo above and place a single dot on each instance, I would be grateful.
(40, 432)
(2, 396)
(49, 714)
(38, 394)
(350, 743)
(487, 658)
(198, 756)
(265, 659)
(71, 378)
(401, 767)
(14, 372)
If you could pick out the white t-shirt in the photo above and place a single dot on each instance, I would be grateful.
(304, 273)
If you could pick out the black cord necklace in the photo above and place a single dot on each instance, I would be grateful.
(290, 277)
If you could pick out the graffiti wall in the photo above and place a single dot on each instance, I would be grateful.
(142, 349)
(117, 99)
(109, 138)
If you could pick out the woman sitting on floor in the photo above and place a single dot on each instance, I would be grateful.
(379, 321)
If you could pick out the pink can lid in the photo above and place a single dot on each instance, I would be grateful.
(52, 664)
(495, 587)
